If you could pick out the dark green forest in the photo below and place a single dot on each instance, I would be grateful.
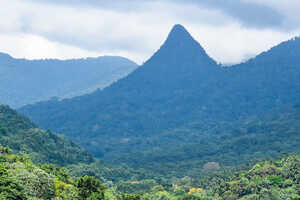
(85, 177)
(21, 135)
(21, 179)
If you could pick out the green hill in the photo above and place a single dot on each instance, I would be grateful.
(21, 179)
(21, 135)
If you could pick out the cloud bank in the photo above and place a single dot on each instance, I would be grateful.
(230, 30)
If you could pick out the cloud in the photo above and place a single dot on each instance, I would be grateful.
(253, 13)
(233, 43)
(135, 29)
(249, 14)
(36, 47)
(289, 10)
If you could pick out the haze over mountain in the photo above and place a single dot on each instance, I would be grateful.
(179, 87)
(29, 81)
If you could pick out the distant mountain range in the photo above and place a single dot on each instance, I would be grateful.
(180, 88)
(28, 81)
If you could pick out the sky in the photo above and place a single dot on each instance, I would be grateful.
(231, 31)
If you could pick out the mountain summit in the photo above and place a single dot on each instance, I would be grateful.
(181, 46)
(178, 35)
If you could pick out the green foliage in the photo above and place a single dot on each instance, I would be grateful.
(4, 150)
(61, 173)
(10, 187)
(266, 180)
(90, 188)
(129, 197)
(136, 186)
(20, 179)
(21, 135)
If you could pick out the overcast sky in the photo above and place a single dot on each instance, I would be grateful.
(229, 30)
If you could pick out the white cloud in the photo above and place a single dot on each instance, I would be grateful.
(38, 30)
(37, 47)
(289, 9)
(234, 43)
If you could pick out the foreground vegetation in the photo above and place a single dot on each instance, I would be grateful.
(21, 135)
(21, 179)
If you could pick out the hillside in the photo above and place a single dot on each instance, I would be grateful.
(181, 109)
(21, 179)
(21, 135)
(28, 81)
(25, 139)
(265, 180)
(186, 150)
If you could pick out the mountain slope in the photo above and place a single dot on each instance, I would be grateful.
(179, 85)
(21, 135)
(185, 150)
(29, 81)
(268, 80)
(21, 179)
(141, 103)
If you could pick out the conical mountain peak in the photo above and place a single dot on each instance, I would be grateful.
(179, 30)
(179, 34)
(181, 47)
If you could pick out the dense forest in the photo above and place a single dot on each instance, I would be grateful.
(21, 179)
(85, 177)
(21, 135)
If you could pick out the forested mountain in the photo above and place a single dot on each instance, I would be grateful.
(24, 138)
(140, 104)
(29, 81)
(181, 107)
(21, 135)
(20, 178)
(186, 150)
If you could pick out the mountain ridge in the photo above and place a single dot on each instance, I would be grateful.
(7, 55)
(29, 81)
(173, 88)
